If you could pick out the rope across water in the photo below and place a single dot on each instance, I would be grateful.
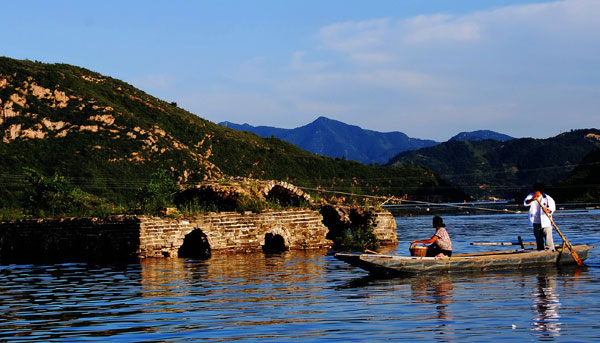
(404, 200)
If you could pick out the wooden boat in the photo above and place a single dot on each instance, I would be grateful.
(513, 259)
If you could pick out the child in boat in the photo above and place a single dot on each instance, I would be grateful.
(441, 245)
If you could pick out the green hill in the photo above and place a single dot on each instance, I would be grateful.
(107, 137)
(583, 184)
(493, 168)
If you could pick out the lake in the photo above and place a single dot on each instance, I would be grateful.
(309, 296)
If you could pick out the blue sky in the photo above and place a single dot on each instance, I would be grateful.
(430, 68)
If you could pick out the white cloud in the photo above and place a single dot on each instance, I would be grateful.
(498, 66)
(439, 29)
(355, 36)
(298, 63)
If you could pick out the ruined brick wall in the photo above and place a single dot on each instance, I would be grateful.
(234, 232)
(384, 227)
(69, 239)
(122, 238)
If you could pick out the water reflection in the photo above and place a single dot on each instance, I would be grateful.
(546, 305)
(436, 290)
(239, 292)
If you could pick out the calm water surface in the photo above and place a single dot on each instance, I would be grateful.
(310, 296)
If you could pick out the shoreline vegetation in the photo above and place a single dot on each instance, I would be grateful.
(54, 197)
(348, 217)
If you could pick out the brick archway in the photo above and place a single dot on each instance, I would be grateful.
(287, 186)
(276, 240)
(195, 245)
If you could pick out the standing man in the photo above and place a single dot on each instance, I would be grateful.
(542, 227)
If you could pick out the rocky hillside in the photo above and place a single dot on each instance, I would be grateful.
(108, 137)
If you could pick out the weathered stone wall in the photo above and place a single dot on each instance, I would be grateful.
(123, 238)
(384, 227)
(234, 232)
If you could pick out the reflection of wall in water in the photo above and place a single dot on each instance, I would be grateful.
(256, 274)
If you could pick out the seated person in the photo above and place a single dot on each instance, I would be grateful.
(441, 245)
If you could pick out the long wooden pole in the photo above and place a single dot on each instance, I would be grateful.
(565, 240)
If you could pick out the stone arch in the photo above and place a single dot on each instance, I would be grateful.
(285, 193)
(276, 240)
(211, 197)
(195, 245)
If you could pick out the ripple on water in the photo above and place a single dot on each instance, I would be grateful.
(308, 296)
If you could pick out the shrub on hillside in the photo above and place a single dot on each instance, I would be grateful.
(56, 197)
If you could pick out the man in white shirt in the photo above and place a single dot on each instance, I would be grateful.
(542, 227)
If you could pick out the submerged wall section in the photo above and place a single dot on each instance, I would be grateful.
(121, 238)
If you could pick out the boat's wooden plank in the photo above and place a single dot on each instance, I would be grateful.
(491, 253)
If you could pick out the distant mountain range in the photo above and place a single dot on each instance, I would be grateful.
(483, 163)
(336, 139)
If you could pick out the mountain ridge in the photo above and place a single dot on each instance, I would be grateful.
(479, 135)
(336, 139)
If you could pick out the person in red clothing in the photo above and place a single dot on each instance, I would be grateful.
(440, 243)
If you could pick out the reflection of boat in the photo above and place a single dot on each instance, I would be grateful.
(514, 259)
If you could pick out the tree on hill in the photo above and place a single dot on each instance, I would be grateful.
(583, 184)
(56, 197)
(159, 193)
